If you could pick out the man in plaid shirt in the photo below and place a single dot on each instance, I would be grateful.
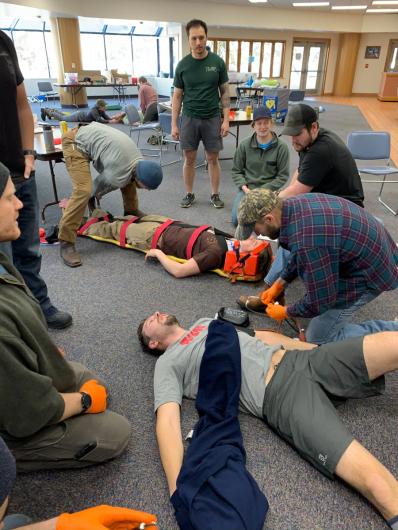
(344, 256)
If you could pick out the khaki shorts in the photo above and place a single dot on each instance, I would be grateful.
(300, 400)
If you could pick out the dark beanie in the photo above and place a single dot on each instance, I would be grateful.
(4, 175)
(149, 173)
(7, 471)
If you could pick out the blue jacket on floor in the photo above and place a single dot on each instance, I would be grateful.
(214, 489)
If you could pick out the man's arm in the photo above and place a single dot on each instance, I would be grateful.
(51, 524)
(176, 269)
(73, 405)
(238, 172)
(295, 188)
(272, 337)
(25, 118)
(175, 112)
(226, 104)
(171, 449)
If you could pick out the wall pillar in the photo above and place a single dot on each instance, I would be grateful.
(66, 35)
(346, 63)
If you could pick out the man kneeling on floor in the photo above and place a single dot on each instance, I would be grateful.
(52, 412)
(282, 397)
(120, 165)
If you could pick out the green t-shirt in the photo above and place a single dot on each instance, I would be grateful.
(200, 80)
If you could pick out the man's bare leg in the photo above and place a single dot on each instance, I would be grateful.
(189, 169)
(272, 337)
(365, 473)
(214, 171)
(380, 351)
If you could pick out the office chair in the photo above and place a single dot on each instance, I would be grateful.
(151, 113)
(134, 121)
(46, 90)
(374, 145)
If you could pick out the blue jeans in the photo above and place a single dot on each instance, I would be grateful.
(334, 325)
(16, 521)
(235, 206)
(281, 258)
(25, 251)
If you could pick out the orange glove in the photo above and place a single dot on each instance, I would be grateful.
(277, 312)
(271, 294)
(98, 396)
(106, 517)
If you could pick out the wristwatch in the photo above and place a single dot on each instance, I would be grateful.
(85, 401)
(29, 152)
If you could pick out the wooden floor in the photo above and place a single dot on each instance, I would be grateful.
(381, 115)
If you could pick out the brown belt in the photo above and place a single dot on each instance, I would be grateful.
(275, 360)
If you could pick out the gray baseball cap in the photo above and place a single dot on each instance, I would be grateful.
(298, 117)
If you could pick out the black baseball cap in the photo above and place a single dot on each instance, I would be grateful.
(261, 113)
(298, 117)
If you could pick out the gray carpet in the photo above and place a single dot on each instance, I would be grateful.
(110, 294)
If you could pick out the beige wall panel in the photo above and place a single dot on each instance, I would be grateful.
(346, 63)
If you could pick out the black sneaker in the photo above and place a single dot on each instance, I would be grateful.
(43, 114)
(57, 319)
(188, 200)
(216, 201)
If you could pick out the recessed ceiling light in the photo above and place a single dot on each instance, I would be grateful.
(382, 11)
(385, 2)
(349, 7)
(258, 1)
(311, 4)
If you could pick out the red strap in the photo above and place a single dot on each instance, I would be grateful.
(123, 230)
(192, 240)
(159, 231)
(90, 222)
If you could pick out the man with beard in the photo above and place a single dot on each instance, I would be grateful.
(280, 386)
(344, 256)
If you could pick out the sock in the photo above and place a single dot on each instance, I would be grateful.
(393, 523)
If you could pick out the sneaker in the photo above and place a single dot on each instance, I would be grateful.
(216, 201)
(57, 319)
(188, 200)
(43, 114)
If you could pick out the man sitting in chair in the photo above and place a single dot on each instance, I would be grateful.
(204, 248)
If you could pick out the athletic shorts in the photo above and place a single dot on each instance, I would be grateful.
(193, 130)
(299, 401)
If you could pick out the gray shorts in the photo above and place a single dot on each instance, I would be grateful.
(193, 130)
(299, 401)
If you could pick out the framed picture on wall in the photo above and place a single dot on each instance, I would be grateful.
(372, 52)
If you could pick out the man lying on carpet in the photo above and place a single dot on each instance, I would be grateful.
(280, 386)
(344, 256)
(204, 248)
(53, 413)
(95, 518)
(96, 113)
(120, 165)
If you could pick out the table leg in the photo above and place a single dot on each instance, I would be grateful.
(54, 184)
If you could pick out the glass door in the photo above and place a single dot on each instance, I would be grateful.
(308, 66)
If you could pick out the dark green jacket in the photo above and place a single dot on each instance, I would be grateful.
(32, 371)
(261, 168)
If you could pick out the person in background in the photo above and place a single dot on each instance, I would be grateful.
(260, 161)
(148, 99)
(200, 84)
(17, 153)
(96, 113)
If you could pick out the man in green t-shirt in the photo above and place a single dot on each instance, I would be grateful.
(200, 83)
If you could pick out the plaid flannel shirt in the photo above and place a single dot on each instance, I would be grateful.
(339, 251)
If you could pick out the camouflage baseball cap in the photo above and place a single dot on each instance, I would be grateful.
(255, 205)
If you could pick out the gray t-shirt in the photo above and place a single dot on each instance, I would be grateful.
(113, 153)
(177, 369)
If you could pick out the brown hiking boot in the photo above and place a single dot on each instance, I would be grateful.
(254, 303)
(70, 255)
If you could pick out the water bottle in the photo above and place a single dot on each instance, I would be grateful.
(48, 138)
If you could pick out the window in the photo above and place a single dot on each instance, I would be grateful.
(164, 55)
(118, 53)
(93, 51)
(145, 56)
(31, 53)
(392, 57)
(263, 58)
